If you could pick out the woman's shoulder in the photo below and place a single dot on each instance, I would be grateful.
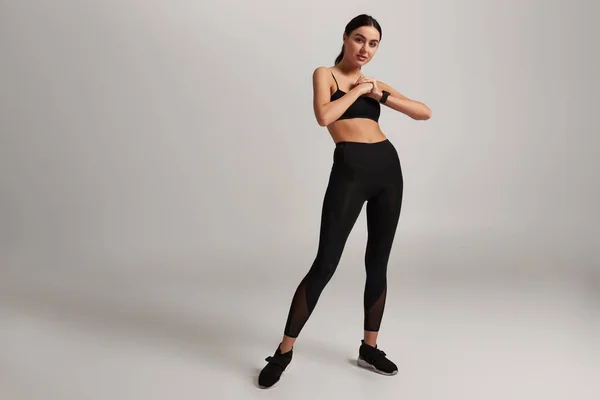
(322, 74)
(322, 69)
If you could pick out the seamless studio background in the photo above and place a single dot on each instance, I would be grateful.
(162, 176)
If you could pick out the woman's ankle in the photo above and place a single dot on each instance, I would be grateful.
(286, 344)
(370, 338)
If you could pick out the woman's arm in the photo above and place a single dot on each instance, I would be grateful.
(398, 102)
(327, 111)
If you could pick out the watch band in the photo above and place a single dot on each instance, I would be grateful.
(384, 96)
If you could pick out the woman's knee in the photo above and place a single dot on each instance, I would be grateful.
(323, 270)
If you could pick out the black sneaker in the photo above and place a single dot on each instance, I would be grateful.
(277, 363)
(375, 359)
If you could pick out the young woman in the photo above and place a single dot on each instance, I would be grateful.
(366, 168)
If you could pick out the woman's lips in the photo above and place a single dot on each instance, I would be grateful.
(362, 58)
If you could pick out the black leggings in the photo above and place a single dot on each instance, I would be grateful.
(361, 172)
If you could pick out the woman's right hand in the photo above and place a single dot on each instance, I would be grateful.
(364, 88)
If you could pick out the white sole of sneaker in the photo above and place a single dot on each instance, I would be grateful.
(364, 364)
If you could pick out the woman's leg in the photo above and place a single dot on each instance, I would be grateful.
(343, 201)
(383, 213)
(342, 204)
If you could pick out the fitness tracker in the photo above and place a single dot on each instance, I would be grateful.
(384, 96)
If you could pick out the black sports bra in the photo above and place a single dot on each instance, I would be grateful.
(363, 107)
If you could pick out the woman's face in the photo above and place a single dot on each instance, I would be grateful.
(361, 45)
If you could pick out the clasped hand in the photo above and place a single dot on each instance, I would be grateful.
(369, 87)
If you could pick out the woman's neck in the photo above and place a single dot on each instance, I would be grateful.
(348, 70)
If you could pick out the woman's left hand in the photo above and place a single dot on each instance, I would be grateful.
(375, 93)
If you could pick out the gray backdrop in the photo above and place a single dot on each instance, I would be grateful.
(167, 134)
(162, 177)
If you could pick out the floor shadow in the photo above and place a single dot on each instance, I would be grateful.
(352, 361)
(321, 350)
(254, 378)
(218, 338)
(215, 341)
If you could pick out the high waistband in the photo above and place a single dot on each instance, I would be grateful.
(365, 144)
(364, 156)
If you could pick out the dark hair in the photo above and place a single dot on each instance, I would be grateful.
(355, 23)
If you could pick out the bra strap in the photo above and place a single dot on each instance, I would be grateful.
(336, 82)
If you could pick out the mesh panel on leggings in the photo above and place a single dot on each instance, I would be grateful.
(374, 314)
(299, 313)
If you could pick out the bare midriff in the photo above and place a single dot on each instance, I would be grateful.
(356, 130)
